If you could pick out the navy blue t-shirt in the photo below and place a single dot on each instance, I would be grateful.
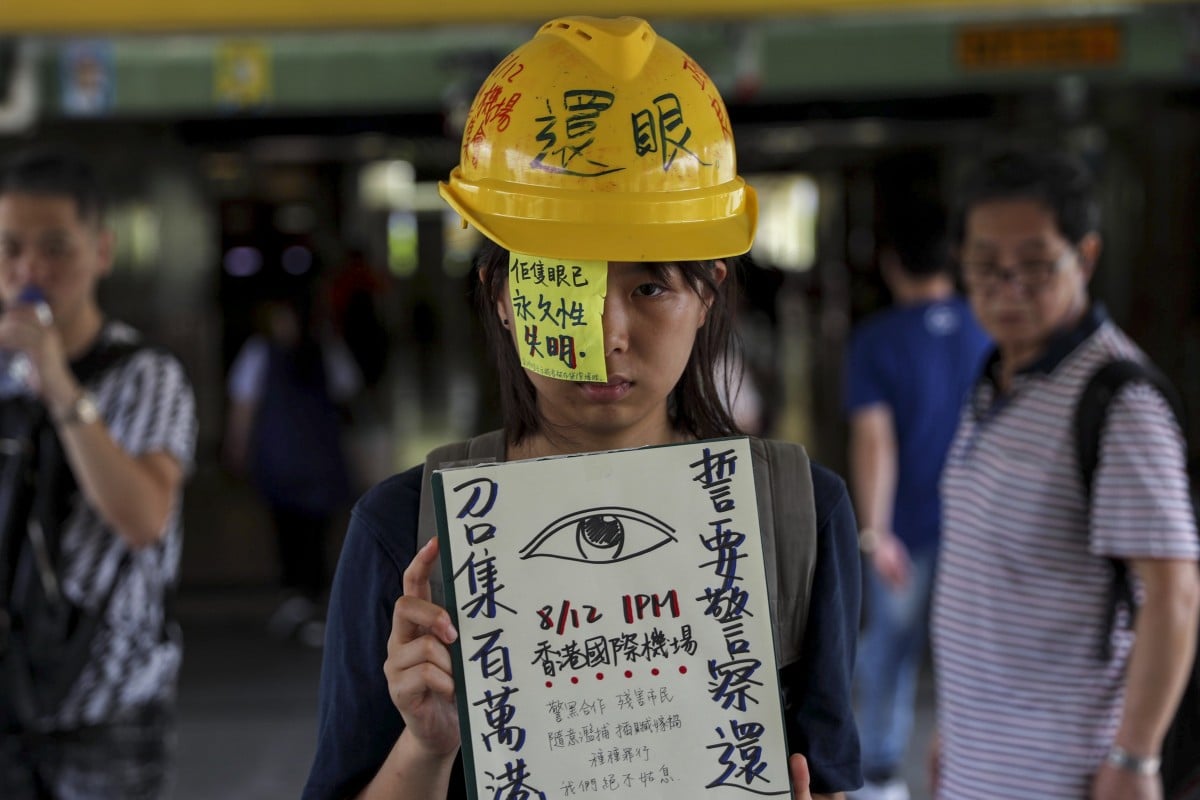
(919, 360)
(358, 724)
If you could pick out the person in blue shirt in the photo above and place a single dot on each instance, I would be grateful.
(908, 369)
(665, 218)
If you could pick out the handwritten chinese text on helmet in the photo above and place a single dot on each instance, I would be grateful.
(598, 139)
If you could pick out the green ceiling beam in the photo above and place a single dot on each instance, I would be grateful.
(415, 71)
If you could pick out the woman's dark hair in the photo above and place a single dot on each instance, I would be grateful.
(1058, 180)
(696, 405)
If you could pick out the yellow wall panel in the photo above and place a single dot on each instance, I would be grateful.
(73, 16)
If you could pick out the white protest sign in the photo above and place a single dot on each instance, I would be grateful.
(614, 631)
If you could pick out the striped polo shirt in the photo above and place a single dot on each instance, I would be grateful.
(1026, 705)
(147, 405)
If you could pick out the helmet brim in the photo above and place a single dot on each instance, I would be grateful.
(650, 226)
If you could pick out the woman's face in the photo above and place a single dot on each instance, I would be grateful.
(651, 316)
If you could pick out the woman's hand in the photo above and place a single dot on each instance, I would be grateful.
(419, 670)
(798, 766)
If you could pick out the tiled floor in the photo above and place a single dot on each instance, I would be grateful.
(247, 703)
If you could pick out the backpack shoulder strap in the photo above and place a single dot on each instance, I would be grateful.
(107, 354)
(487, 447)
(1091, 412)
(1092, 408)
(787, 517)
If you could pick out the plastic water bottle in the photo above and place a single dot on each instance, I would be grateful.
(15, 368)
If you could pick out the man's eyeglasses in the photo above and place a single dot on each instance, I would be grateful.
(1030, 274)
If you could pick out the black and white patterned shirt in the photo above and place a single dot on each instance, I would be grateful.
(146, 402)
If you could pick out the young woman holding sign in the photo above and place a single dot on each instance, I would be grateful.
(600, 144)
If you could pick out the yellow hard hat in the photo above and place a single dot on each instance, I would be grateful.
(600, 140)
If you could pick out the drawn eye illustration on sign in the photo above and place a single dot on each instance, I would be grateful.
(600, 535)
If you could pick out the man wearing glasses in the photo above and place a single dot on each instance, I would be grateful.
(1039, 695)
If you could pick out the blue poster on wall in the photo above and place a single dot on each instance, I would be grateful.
(87, 77)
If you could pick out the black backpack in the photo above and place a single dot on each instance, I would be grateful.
(1181, 746)
(45, 639)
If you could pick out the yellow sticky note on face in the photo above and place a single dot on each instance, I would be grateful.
(558, 309)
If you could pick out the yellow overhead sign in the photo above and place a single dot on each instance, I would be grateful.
(72, 16)
(242, 74)
(1049, 45)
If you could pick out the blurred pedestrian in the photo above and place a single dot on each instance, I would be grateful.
(908, 371)
(96, 450)
(355, 291)
(1039, 693)
(287, 388)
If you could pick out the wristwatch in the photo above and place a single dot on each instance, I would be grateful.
(1121, 758)
(82, 411)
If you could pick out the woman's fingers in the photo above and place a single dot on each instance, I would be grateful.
(798, 767)
(413, 618)
(425, 649)
(417, 667)
(413, 614)
(410, 685)
(418, 662)
(416, 577)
